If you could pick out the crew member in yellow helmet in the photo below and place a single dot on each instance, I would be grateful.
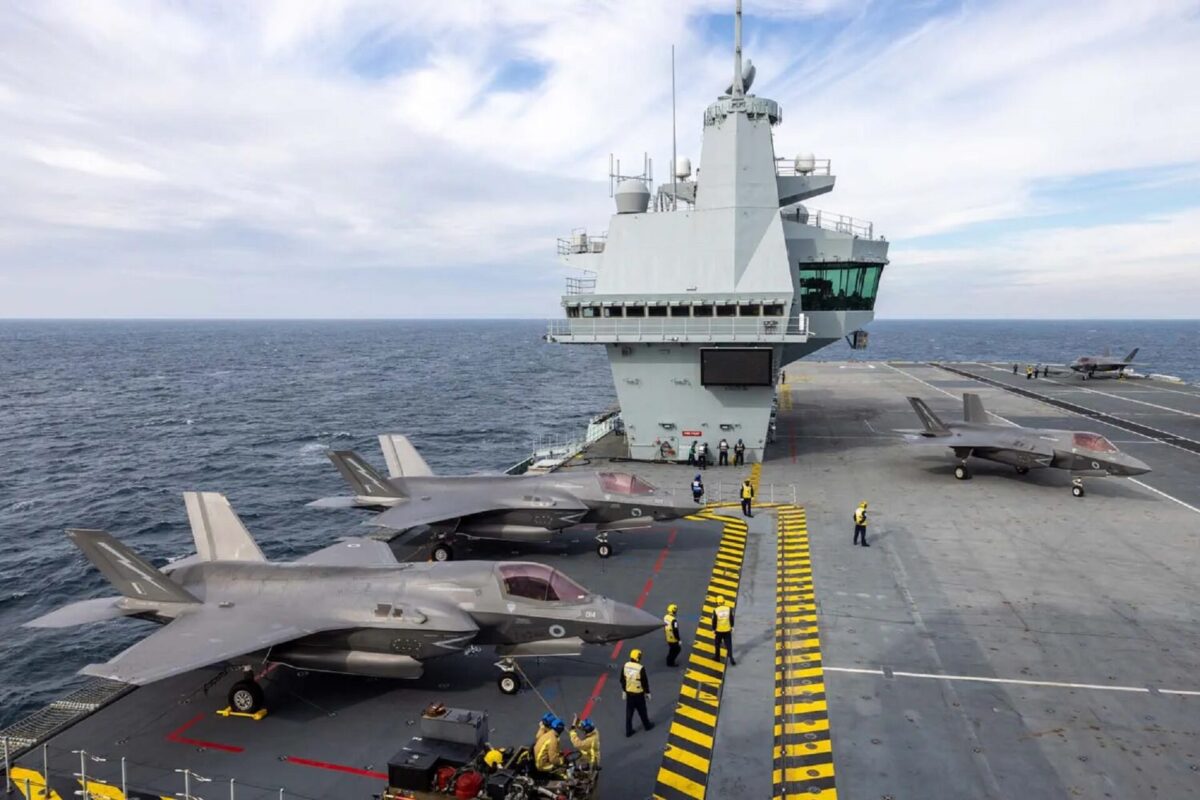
(671, 629)
(635, 688)
(860, 524)
(722, 624)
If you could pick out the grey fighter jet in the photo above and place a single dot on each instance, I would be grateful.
(1083, 454)
(349, 608)
(522, 508)
(1088, 366)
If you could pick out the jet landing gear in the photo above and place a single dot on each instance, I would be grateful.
(603, 548)
(246, 696)
(962, 473)
(443, 548)
(509, 681)
(1077, 487)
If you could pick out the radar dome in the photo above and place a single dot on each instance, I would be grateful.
(683, 167)
(805, 163)
(632, 196)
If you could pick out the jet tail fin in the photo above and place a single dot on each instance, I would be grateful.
(402, 458)
(363, 478)
(1132, 354)
(128, 572)
(933, 425)
(219, 534)
(973, 410)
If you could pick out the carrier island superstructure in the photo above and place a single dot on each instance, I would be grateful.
(701, 292)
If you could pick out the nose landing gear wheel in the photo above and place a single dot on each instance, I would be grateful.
(962, 473)
(509, 683)
(246, 697)
(1077, 490)
(443, 552)
(604, 549)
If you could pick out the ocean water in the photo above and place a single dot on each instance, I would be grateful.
(104, 424)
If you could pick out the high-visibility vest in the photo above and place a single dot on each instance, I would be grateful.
(547, 755)
(697, 486)
(723, 614)
(747, 491)
(633, 677)
(588, 746)
(669, 622)
(860, 516)
(724, 445)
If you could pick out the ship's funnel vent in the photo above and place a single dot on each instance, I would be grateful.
(633, 197)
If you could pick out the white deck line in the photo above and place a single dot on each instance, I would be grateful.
(1016, 681)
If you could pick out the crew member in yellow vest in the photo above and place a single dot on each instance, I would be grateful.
(586, 739)
(722, 624)
(747, 496)
(635, 688)
(671, 629)
(547, 752)
(860, 524)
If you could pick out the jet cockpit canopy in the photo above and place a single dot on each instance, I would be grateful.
(539, 582)
(1094, 442)
(624, 483)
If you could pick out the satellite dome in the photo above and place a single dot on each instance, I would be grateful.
(632, 196)
(805, 163)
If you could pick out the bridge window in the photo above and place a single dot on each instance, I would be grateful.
(848, 288)
(726, 311)
(752, 310)
(679, 311)
(773, 310)
(656, 311)
(572, 311)
(702, 311)
(614, 311)
(635, 311)
(591, 311)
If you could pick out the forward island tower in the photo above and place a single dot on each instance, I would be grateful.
(702, 292)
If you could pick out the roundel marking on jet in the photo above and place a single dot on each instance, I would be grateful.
(558, 631)
(637, 512)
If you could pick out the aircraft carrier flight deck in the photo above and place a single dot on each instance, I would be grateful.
(999, 639)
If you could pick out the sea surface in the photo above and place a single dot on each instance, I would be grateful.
(104, 424)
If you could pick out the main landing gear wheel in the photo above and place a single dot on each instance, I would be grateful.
(1022, 470)
(246, 696)
(442, 551)
(962, 473)
(1077, 490)
(509, 683)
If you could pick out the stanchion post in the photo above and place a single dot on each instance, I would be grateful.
(124, 788)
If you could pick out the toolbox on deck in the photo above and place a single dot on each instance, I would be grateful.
(456, 725)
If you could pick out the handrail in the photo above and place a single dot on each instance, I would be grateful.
(716, 327)
(840, 223)
(787, 166)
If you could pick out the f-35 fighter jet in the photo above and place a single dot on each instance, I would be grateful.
(1088, 366)
(1083, 454)
(349, 608)
(522, 508)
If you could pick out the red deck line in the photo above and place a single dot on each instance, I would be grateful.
(178, 737)
(308, 762)
(595, 695)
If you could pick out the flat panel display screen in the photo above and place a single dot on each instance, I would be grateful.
(736, 366)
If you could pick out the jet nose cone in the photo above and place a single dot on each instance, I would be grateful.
(1134, 466)
(629, 622)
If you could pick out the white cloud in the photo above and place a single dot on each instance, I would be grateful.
(224, 159)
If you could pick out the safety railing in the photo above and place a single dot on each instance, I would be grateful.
(680, 328)
(580, 242)
(800, 166)
(722, 492)
(831, 222)
(584, 285)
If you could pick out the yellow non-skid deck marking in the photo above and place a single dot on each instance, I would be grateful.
(688, 755)
(803, 751)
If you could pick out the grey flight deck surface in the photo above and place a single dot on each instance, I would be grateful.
(999, 639)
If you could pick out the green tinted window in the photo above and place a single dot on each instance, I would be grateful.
(843, 288)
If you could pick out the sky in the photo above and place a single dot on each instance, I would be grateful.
(336, 159)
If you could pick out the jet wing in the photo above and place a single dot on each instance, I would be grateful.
(450, 506)
(352, 552)
(209, 635)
